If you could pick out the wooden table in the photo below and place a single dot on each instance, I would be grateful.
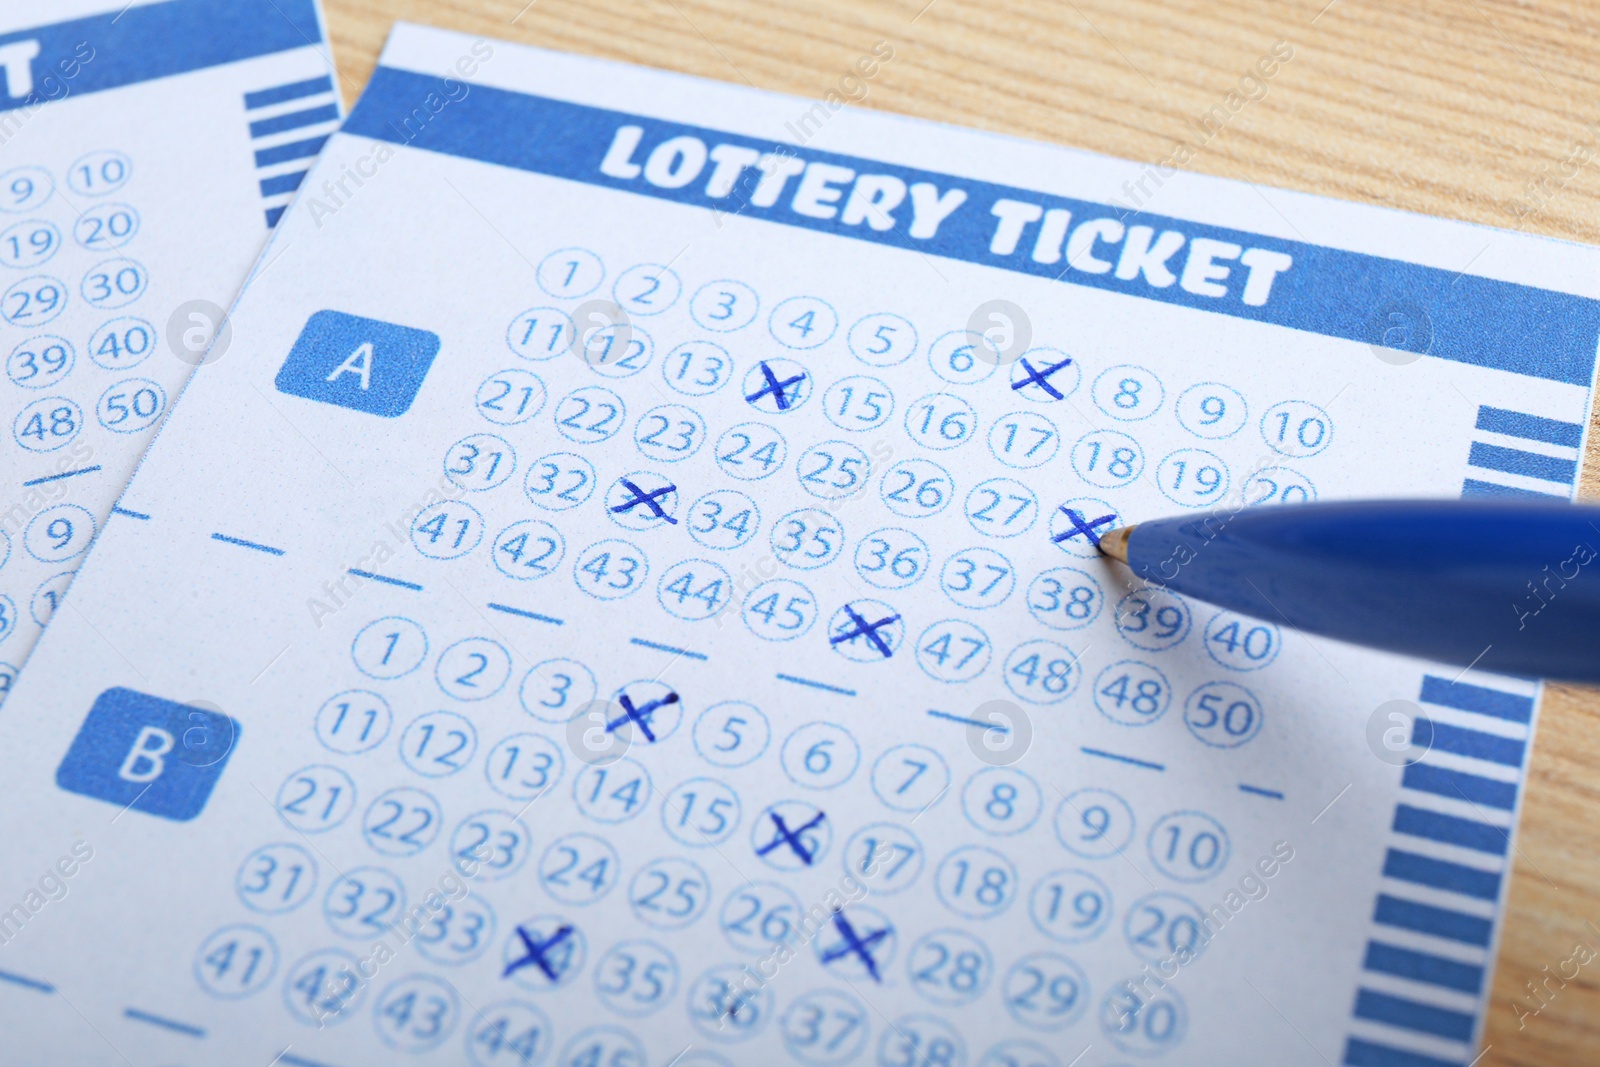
(1447, 107)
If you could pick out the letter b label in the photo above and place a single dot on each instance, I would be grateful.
(152, 755)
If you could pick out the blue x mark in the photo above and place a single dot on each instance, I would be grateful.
(866, 629)
(647, 499)
(855, 945)
(1079, 526)
(1041, 378)
(538, 953)
(779, 390)
(786, 836)
(639, 716)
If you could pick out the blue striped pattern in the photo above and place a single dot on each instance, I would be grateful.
(1437, 922)
(1464, 697)
(1527, 464)
(1473, 487)
(1529, 427)
(1442, 737)
(282, 94)
(1413, 1015)
(1484, 458)
(283, 153)
(1422, 967)
(1441, 874)
(321, 107)
(1358, 1053)
(1459, 785)
(1450, 830)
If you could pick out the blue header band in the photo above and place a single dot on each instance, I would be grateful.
(1327, 291)
(142, 43)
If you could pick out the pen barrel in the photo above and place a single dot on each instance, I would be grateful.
(1511, 587)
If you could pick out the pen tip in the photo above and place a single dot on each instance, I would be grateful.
(1115, 544)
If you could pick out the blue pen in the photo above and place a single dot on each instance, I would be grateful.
(1508, 586)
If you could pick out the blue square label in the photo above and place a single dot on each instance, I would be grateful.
(362, 364)
(153, 755)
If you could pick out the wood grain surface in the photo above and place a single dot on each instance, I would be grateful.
(1484, 110)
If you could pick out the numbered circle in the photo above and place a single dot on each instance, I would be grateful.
(438, 744)
(669, 893)
(1046, 991)
(511, 1033)
(1001, 801)
(976, 882)
(540, 333)
(1001, 507)
(1278, 485)
(642, 500)
(557, 690)
(276, 879)
(731, 734)
(490, 845)
(779, 610)
(723, 519)
(479, 462)
(456, 932)
(950, 967)
(695, 589)
(416, 1013)
(1193, 478)
(40, 362)
(8, 623)
(1296, 428)
(825, 1027)
(1065, 598)
(1189, 846)
(1070, 906)
(916, 488)
(589, 415)
(977, 578)
(474, 669)
(613, 793)
(791, 835)
(670, 433)
(523, 766)
(528, 549)
(858, 403)
(1153, 619)
(33, 301)
(579, 869)
(354, 721)
(447, 530)
(47, 424)
(1142, 1022)
(1044, 375)
(1128, 393)
(1094, 824)
(131, 406)
(1107, 458)
(776, 386)
(751, 451)
(646, 289)
(613, 347)
(1165, 926)
(611, 570)
(885, 857)
(1241, 643)
(700, 812)
(236, 961)
(833, 470)
(402, 822)
(25, 245)
(25, 188)
(325, 987)
(122, 343)
(1211, 410)
(106, 226)
(820, 755)
(867, 631)
(941, 421)
(99, 173)
(59, 533)
(636, 978)
(910, 778)
(724, 306)
(1024, 440)
(882, 340)
(697, 368)
(510, 397)
(570, 272)
(857, 943)
(1132, 693)
(544, 953)
(802, 322)
(1042, 672)
(364, 903)
(807, 538)
(1222, 714)
(316, 798)
(1077, 526)
(958, 358)
(114, 283)
(559, 481)
(953, 651)
(723, 1007)
(760, 916)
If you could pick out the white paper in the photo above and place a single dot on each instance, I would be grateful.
(1191, 839)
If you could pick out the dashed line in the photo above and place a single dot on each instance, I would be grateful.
(385, 580)
(157, 1020)
(674, 649)
(297, 1061)
(30, 983)
(58, 477)
(1123, 759)
(242, 543)
(996, 727)
(841, 690)
(1260, 792)
(534, 615)
(120, 510)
